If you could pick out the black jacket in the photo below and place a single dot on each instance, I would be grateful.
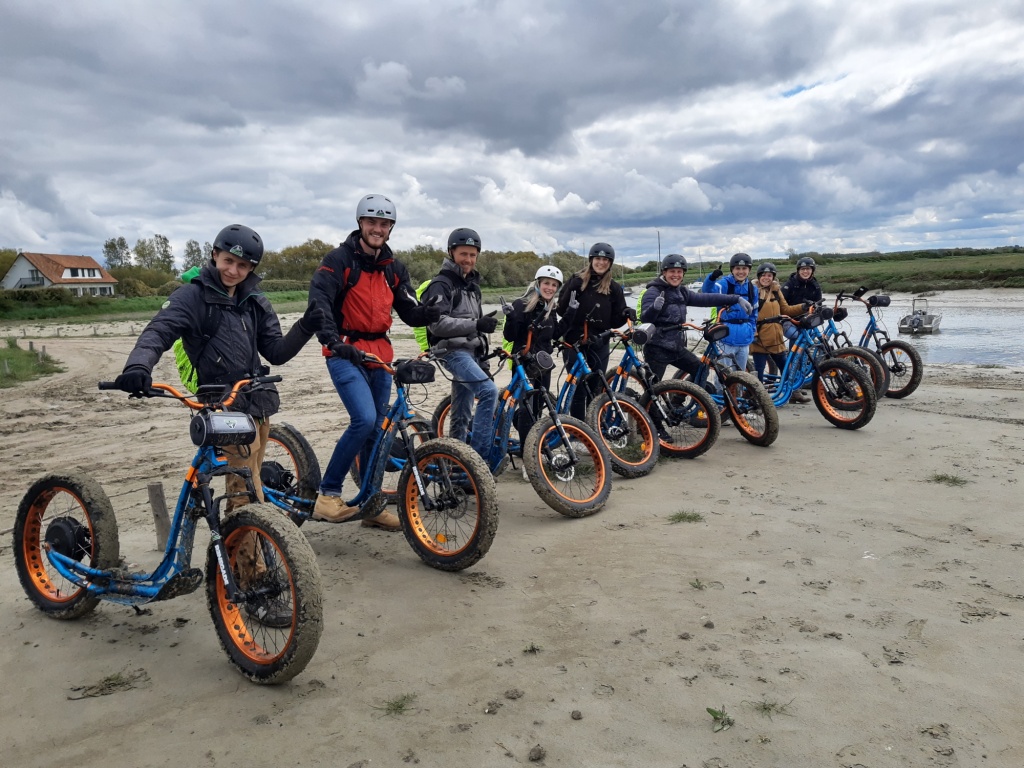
(247, 328)
(597, 311)
(546, 327)
(668, 336)
(461, 305)
(796, 290)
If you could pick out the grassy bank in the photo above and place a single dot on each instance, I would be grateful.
(18, 365)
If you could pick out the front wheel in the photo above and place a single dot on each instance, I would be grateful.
(272, 632)
(751, 408)
(906, 368)
(627, 432)
(570, 474)
(844, 394)
(289, 463)
(687, 419)
(451, 521)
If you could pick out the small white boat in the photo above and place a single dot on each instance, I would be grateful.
(695, 285)
(627, 291)
(920, 319)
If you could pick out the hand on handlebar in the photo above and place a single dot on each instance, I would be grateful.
(345, 351)
(487, 323)
(134, 380)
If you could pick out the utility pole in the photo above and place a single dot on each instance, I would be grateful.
(659, 249)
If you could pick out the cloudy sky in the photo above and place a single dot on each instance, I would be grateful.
(725, 126)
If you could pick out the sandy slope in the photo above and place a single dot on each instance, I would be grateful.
(881, 610)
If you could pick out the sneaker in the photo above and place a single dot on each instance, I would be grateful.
(332, 509)
(800, 397)
(270, 612)
(386, 520)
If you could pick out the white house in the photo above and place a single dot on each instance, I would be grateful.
(79, 274)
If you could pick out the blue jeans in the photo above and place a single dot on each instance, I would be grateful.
(734, 356)
(365, 393)
(468, 382)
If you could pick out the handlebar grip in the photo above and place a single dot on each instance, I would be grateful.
(107, 385)
(269, 379)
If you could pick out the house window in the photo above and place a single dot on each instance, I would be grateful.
(34, 274)
(74, 272)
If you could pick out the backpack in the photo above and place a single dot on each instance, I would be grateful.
(189, 375)
(421, 332)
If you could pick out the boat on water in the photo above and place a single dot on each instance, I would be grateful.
(695, 285)
(920, 319)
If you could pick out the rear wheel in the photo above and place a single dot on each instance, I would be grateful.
(439, 420)
(273, 632)
(751, 409)
(420, 430)
(289, 465)
(627, 432)
(844, 394)
(687, 419)
(575, 482)
(631, 385)
(906, 368)
(71, 515)
(870, 363)
(452, 523)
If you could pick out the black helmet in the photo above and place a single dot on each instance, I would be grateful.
(673, 261)
(601, 249)
(463, 236)
(740, 260)
(766, 266)
(806, 261)
(241, 242)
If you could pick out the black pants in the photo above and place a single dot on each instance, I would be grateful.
(597, 358)
(761, 362)
(660, 359)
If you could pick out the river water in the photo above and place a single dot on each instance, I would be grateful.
(977, 327)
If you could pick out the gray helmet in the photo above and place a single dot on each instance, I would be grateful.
(740, 260)
(806, 261)
(673, 261)
(766, 266)
(601, 249)
(241, 242)
(377, 207)
(463, 236)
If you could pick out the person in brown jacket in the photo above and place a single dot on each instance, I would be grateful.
(770, 343)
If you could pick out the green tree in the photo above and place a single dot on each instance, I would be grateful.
(193, 256)
(164, 258)
(145, 253)
(116, 253)
(296, 262)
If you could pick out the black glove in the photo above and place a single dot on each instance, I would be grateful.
(487, 323)
(717, 273)
(133, 380)
(314, 318)
(432, 311)
(630, 314)
(807, 305)
(345, 351)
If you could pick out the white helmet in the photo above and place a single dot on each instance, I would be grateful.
(548, 270)
(376, 206)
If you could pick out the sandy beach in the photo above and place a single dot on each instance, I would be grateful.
(843, 607)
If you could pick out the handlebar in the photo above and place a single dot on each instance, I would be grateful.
(159, 389)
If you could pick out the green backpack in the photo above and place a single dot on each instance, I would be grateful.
(188, 374)
(421, 332)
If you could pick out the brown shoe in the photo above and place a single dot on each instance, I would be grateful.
(800, 397)
(332, 509)
(386, 520)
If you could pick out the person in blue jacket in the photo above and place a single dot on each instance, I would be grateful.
(742, 323)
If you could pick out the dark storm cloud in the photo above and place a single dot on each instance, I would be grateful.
(543, 123)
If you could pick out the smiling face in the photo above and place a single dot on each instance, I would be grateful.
(233, 269)
(600, 264)
(766, 279)
(374, 233)
(547, 287)
(805, 273)
(674, 276)
(465, 257)
(740, 273)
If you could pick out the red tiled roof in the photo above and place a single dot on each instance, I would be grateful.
(52, 266)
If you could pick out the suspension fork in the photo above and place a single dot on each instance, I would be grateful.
(410, 450)
(211, 511)
(553, 410)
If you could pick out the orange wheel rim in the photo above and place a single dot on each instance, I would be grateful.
(450, 538)
(34, 555)
(595, 454)
(260, 644)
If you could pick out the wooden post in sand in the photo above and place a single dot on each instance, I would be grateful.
(160, 518)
